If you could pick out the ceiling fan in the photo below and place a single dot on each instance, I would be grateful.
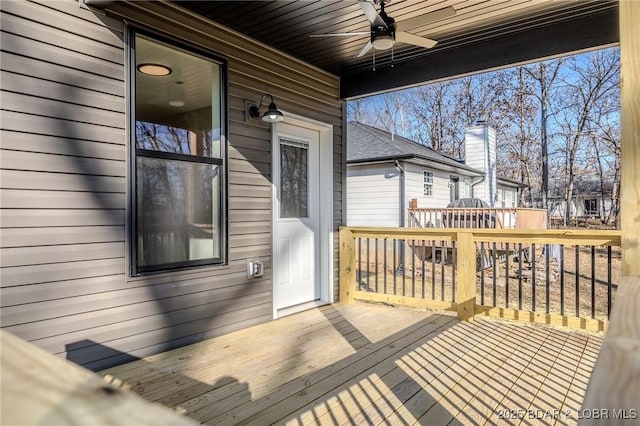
(385, 31)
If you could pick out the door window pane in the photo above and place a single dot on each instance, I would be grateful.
(294, 172)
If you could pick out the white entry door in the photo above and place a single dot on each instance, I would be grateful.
(296, 174)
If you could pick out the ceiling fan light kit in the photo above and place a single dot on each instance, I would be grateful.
(385, 32)
(382, 40)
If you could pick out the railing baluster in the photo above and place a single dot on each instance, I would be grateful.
(506, 276)
(519, 275)
(561, 272)
(385, 266)
(577, 248)
(495, 273)
(453, 271)
(423, 250)
(608, 281)
(433, 269)
(403, 256)
(368, 263)
(547, 282)
(395, 265)
(593, 282)
(359, 274)
(377, 264)
(413, 268)
(443, 256)
(533, 277)
(482, 266)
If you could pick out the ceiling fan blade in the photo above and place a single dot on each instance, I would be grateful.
(403, 37)
(367, 47)
(341, 34)
(372, 14)
(426, 19)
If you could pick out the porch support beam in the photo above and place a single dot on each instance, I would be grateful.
(347, 281)
(466, 269)
(555, 38)
(630, 136)
(615, 380)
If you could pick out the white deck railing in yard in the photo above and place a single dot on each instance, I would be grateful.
(493, 218)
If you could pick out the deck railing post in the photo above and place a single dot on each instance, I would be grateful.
(466, 272)
(347, 265)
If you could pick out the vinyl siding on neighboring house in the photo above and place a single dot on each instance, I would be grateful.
(373, 192)
(507, 196)
(65, 282)
(441, 192)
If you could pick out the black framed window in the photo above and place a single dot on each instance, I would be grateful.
(178, 156)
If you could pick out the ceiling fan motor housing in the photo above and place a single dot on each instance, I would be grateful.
(383, 37)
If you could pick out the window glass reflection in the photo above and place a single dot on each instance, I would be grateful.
(177, 211)
(294, 170)
(178, 159)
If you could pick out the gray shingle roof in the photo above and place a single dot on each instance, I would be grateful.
(368, 144)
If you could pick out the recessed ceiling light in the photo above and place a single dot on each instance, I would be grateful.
(154, 69)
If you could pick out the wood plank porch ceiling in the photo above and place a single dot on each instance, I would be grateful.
(372, 364)
(483, 34)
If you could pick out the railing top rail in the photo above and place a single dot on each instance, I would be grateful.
(543, 236)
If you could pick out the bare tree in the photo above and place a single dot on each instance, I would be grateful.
(518, 142)
(543, 76)
(435, 111)
(605, 141)
(591, 83)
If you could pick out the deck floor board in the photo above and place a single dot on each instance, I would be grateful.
(366, 364)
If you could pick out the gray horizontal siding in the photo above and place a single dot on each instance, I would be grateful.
(36, 218)
(59, 74)
(63, 183)
(27, 237)
(196, 281)
(39, 255)
(24, 180)
(36, 87)
(59, 37)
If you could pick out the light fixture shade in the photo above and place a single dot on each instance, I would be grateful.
(157, 70)
(272, 115)
(382, 41)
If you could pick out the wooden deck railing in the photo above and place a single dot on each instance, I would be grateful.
(42, 389)
(614, 385)
(494, 218)
(563, 277)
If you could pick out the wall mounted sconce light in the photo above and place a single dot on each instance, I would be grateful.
(272, 115)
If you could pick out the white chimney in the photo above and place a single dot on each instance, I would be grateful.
(480, 153)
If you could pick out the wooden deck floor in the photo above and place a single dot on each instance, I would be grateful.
(368, 364)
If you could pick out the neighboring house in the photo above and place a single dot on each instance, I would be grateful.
(385, 172)
(590, 199)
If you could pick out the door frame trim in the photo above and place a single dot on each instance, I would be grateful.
(325, 131)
